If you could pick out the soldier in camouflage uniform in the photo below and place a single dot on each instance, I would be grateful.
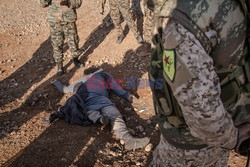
(123, 7)
(147, 8)
(62, 20)
(198, 47)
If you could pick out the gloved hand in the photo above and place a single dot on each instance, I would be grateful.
(243, 143)
(64, 3)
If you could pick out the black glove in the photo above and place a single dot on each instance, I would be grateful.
(64, 3)
(243, 143)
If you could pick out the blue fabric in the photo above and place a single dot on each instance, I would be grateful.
(70, 88)
(99, 86)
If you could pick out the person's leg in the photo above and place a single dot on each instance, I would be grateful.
(57, 39)
(96, 116)
(124, 7)
(115, 16)
(72, 37)
(120, 129)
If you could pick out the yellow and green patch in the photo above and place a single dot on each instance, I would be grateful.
(169, 64)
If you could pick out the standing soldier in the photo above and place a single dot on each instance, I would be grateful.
(62, 20)
(118, 7)
(199, 52)
(147, 8)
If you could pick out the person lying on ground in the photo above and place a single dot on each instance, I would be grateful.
(94, 90)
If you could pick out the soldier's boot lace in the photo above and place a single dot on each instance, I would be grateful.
(120, 39)
(60, 70)
(77, 63)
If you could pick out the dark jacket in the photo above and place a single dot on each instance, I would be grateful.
(73, 110)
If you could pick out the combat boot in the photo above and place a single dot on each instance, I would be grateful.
(77, 63)
(139, 39)
(60, 71)
(103, 120)
(120, 39)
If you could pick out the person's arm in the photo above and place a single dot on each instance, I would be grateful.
(75, 4)
(70, 88)
(196, 87)
(114, 87)
(44, 3)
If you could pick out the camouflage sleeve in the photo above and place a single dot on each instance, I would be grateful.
(197, 88)
(75, 4)
(44, 3)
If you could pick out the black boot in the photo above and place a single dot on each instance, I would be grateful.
(120, 39)
(60, 71)
(77, 63)
(139, 39)
(103, 120)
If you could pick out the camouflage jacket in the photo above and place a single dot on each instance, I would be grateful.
(58, 13)
(193, 41)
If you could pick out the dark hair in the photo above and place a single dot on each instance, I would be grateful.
(90, 70)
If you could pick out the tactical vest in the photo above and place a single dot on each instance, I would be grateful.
(227, 48)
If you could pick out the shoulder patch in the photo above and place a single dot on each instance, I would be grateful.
(169, 63)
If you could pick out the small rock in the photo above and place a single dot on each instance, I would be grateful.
(113, 153)
(156, 127)
(15, 128)
(122, 142)
(35, 99)
(149, 122)
(64, 159)
(141, 111)
(149, 147)
(138, 164)
(45, 95)
(13, 81)
(140, 128)
(24, 113)
(127, 109)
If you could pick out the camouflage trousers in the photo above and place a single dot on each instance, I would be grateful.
(167, 155)
(60, 31)
(118, 7)
(147, 7)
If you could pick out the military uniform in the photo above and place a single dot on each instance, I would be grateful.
(147, 8)
(122, 7)
(198, 45)
(62, 25)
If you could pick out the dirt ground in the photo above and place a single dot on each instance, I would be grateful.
(26, 95)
